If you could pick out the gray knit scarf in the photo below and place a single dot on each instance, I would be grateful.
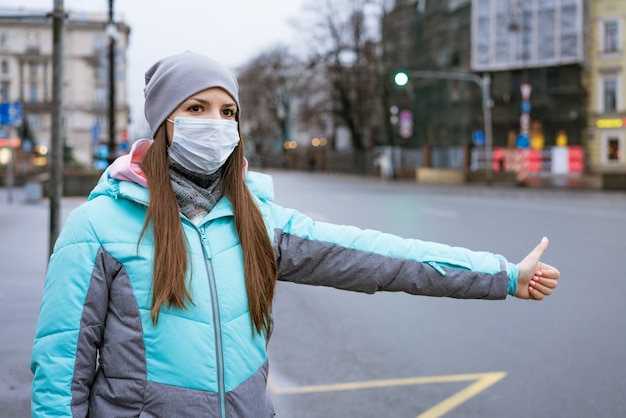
(196, 193)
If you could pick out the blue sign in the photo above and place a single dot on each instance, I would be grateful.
(522, 141)
(526, 106)
(95, 132)
(478, 137)
(10, 113)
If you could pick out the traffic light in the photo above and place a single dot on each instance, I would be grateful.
(401, 78)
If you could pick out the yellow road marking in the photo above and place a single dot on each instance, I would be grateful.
(482, 382)
(447, 405)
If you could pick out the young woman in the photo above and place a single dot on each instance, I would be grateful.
(158, 295)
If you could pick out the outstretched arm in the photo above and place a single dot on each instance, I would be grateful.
(536, 279)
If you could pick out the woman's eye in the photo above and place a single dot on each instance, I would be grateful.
(195, 108)
(229, 113)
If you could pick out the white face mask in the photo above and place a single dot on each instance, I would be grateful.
(203, 145)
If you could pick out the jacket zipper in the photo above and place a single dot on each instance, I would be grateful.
(217, 325)
(217, 322)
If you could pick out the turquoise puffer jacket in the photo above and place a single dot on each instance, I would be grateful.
(98, 354)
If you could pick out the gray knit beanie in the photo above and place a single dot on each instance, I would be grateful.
(173, 79)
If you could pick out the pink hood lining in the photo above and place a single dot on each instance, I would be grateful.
(127, 167)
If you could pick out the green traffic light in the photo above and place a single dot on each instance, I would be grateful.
(401, 79)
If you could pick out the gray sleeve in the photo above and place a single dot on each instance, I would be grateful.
(319, 263)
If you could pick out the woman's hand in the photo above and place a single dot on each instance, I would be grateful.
(536, 279)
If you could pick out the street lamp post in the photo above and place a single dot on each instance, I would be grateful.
(56, 141)
(484, 82)
(112, 34)
(518, 26)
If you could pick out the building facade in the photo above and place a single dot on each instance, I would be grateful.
(533, 51)
(607, 86)
(26, 74)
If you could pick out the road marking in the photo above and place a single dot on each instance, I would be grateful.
(482, 382)
(442, 213)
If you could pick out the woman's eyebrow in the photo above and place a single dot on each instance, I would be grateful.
(196, 100)
(208, 102)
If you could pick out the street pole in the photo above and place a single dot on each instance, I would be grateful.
(485, 88)
(56, 141)
(112, 33)
(484, 82)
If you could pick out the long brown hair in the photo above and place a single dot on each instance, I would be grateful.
(170, 253)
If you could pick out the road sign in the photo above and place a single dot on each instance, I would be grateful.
(95, 132)
(406, 124)
(478, 137)
(524, 122)
(10, 113)
(526, 89)
(522, 141)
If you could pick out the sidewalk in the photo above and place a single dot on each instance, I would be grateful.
(24, 232)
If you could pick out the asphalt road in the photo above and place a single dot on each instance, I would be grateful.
(343, 354)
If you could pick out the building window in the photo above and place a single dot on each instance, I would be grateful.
(609, 94)
(4, 91)
(5, 67)
(102, 120)
(33, 93)
(32, 40)
(613, 148)
(4, 40)
(32, 69)
(100, 97)
(99, 44)
(610, 36)
(34, 121)
(102, 71)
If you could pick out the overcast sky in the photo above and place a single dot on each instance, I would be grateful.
(231, 31)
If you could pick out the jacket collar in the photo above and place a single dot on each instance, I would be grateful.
(260, 186)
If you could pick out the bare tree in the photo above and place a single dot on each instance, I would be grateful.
(267, 85)
(344, 45)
